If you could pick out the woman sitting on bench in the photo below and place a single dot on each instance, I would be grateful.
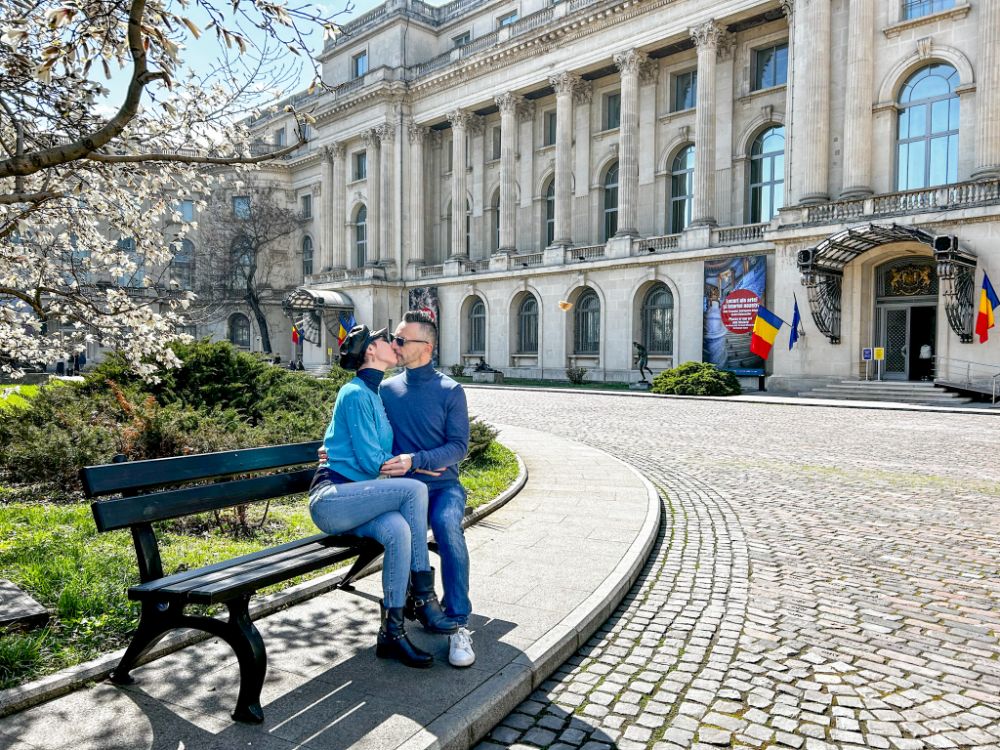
(347, 497)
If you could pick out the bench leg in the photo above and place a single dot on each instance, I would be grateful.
(155, 621)
(366, 557)
(249, 647)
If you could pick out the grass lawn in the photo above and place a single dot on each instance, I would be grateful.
(528, 383)
(54, 552)
(19, 399)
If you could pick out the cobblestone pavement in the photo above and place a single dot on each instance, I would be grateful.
(824, 578)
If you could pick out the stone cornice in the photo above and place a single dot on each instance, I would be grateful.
(951, 14)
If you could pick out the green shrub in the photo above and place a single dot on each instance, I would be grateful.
(576, 374)
(481, 435)
(697, 379)
(457, 371)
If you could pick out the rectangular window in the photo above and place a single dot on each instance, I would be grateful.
(685, 91)
(450, 148)
(496, 142)
(507, 19)
(359, 64)
(307, 206)
(462, 39)
(279, 137)
(770, 66)
(186, 210)
(918, 8)
(612, 111)
(549, 136)
(241, 206)
(360, 165)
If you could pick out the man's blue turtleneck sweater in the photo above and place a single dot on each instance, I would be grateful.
(430, 420)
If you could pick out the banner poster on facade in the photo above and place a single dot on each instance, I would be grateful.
(425, 298)
(734, 287)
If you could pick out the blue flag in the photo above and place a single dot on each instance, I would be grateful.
(796, 322)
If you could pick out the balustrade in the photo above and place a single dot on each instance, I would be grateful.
(738, 235)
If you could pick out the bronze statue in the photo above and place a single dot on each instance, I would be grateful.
(643, 361)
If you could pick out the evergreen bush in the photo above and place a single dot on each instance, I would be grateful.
(481, 435)
(576, 374)
(457, 371)
(697, 379)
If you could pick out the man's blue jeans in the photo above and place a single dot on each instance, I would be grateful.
(446, 505)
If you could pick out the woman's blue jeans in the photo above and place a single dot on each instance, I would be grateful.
(391, 511)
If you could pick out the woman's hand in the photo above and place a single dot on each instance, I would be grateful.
(398, 466)
(321, 454)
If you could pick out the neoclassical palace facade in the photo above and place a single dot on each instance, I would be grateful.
(563, 180)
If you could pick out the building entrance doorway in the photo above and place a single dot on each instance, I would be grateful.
(906, 318)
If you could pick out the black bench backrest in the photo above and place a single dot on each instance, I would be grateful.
(142, 483)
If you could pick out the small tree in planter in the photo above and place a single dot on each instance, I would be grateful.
(576, 374)
(457, 371)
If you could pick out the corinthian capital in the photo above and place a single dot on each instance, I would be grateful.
(371, 138)
(337, 150)
(788, 6)
(565, 82)
(709, 34)
(417, 132)
(584, 93)
(386, 132)
(459, 120)
(630, 61)
(509, 102)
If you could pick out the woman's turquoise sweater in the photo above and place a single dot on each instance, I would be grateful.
(359, 438)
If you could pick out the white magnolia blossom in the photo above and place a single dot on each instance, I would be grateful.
(89, 200)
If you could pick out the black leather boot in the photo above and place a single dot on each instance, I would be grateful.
(422, 604)
(393, 643)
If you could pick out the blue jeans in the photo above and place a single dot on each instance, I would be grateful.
(391, 511)
(447, 509)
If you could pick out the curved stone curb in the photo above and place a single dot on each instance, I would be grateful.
(474, 716)
(748, 399)
(67, 680)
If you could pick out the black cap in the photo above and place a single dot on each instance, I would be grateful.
(352, 351)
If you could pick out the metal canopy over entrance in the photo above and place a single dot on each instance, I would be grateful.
(822, 269)
(305, 308)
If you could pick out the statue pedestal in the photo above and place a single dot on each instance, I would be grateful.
(487, 377)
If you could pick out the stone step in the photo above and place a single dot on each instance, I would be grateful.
(950, 399)
(918, 392)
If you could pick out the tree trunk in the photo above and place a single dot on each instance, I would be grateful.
(253, 299)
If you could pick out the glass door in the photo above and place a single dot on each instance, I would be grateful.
(894, 330)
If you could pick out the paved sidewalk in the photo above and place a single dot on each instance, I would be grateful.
(548, 569)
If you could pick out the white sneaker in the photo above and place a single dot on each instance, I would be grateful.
(460, 653)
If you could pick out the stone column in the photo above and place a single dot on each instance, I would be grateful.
(858, 105)
(646, 210)
(564, 84)
(707, 38)
(459, 133)
(386, 136)
(508, 104)
(629, 63)
(373, 168)
(322, 257)
(987, 96)
(418, 133)
(811, 144)
(336, 256)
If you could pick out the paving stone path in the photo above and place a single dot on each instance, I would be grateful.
(824, 578)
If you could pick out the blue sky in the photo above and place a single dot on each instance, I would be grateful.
(201, 54)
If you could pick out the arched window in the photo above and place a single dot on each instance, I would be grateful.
(767, 174)
(658, 320)
(477, 328)
(927, 135)
(307, 256)
(611, 201)
(527, 326)
(587, 336)
(550, 212)
(239, 330)
(361, 238)
(182, 265)
(681, 189)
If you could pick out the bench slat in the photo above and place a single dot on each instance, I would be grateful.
(160, 506)
(132, 476)
(225, 587)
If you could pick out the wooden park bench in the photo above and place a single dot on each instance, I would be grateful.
(165, 488)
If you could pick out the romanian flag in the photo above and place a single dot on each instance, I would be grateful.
(295, 334)
(765, 330)
(988, 301)
(341, 333)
